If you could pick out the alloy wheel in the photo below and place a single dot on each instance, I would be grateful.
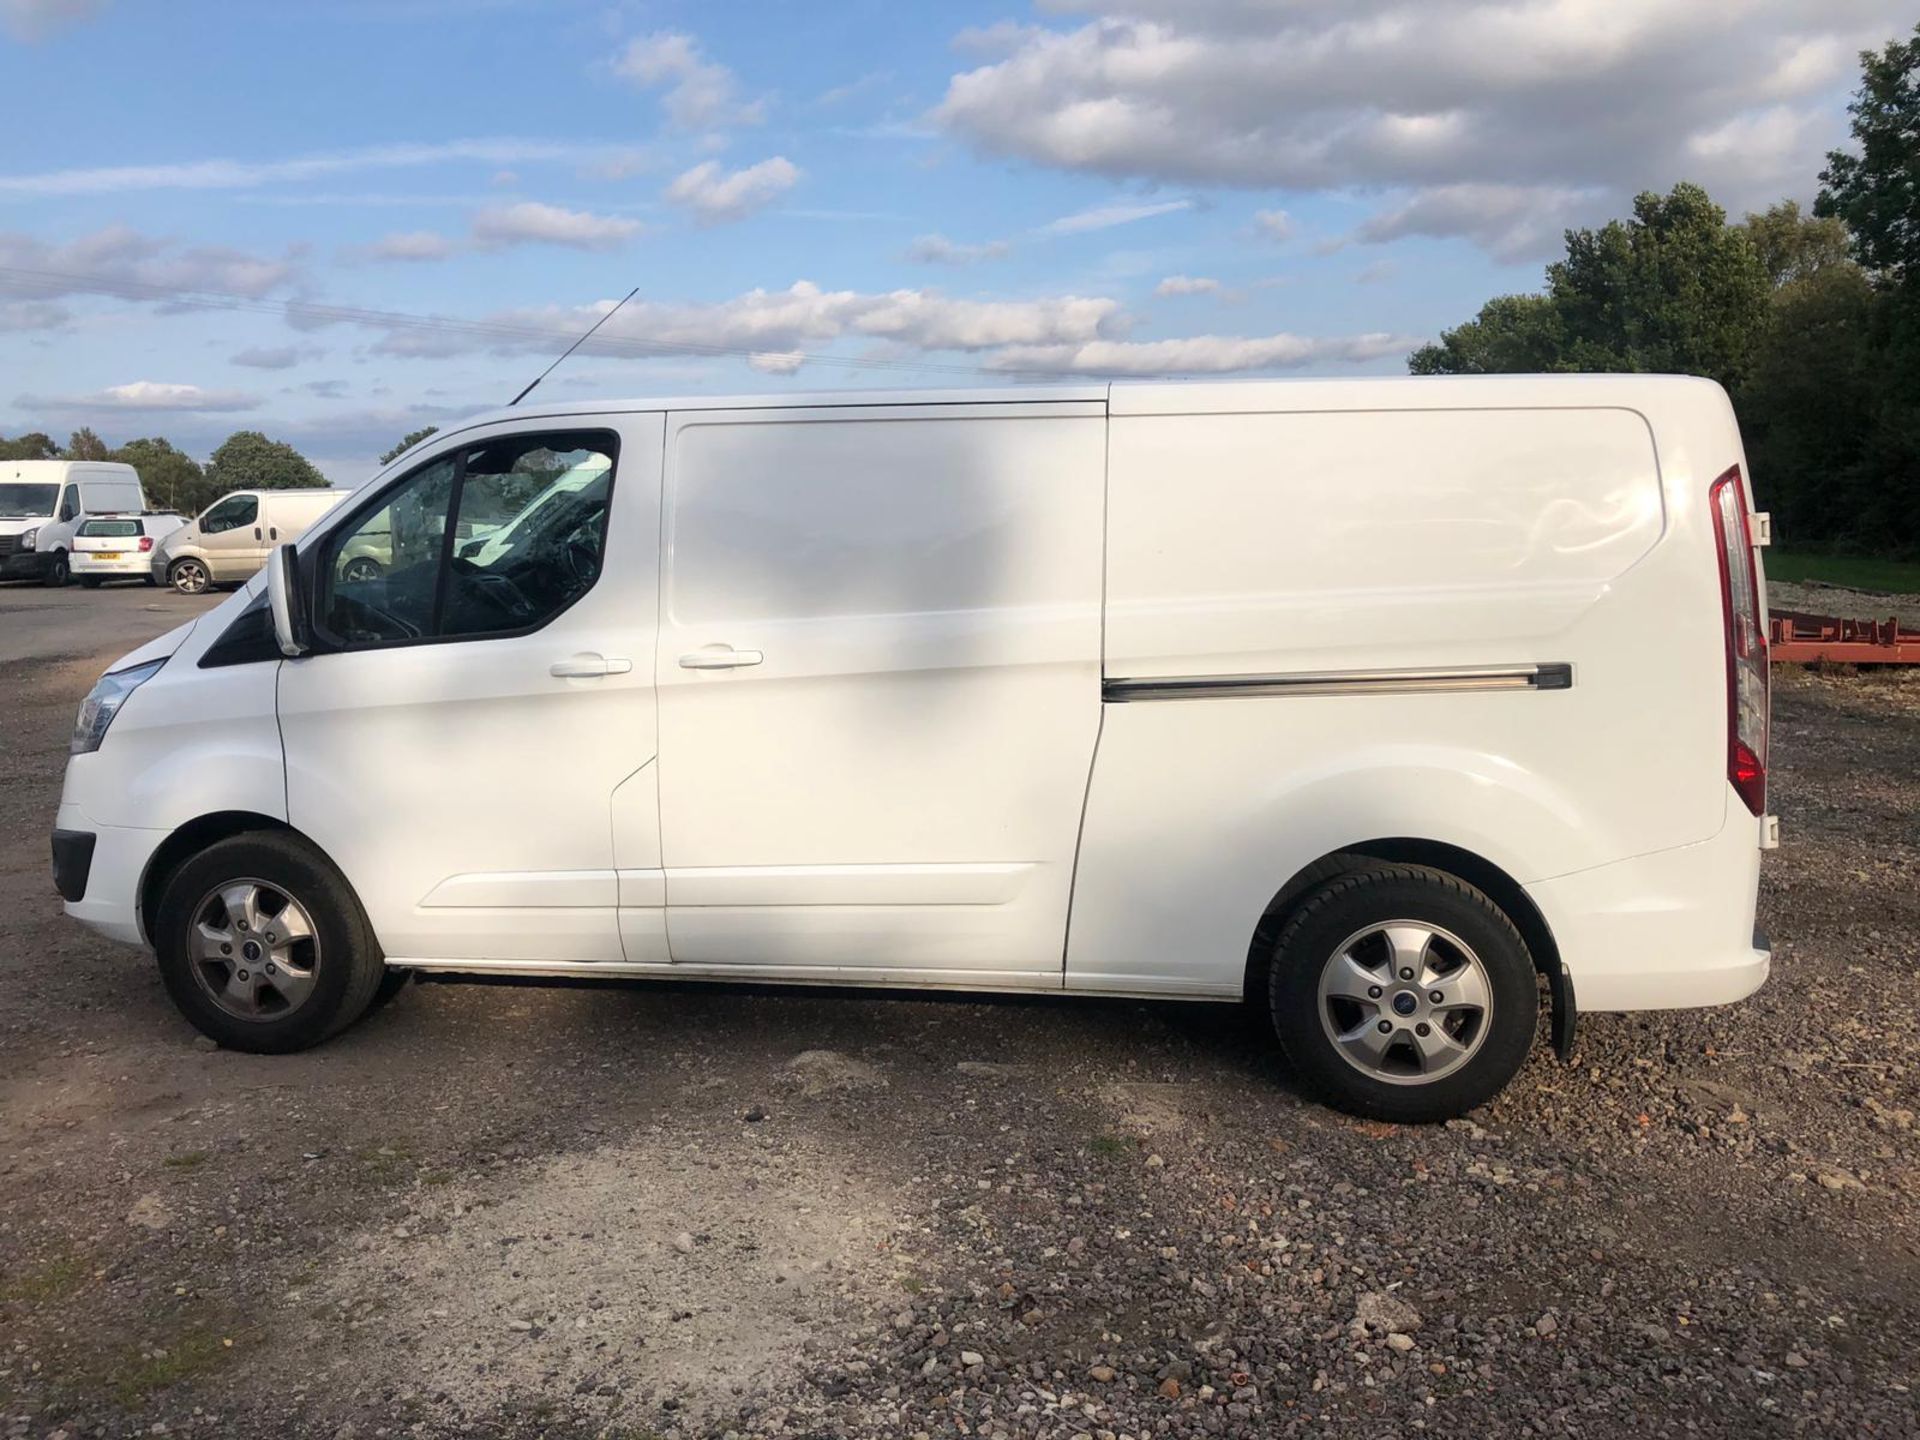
(1405, 1002)
(253, 949)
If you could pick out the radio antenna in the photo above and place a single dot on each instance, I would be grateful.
(573, 347)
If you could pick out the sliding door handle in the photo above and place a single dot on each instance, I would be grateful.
(587, 666)
(719, 657)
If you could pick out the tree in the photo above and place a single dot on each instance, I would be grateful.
(1793, 246)
(407, 443)
(85, 445)
(248, 460)
(1674, 290)
(34, 445)
(1512, 334)
(1877, 192)
(172, 479)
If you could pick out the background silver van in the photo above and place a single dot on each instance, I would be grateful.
(229, 540)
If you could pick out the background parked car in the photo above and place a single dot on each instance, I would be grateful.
(119, 547)
(43, 501)
(229, 540)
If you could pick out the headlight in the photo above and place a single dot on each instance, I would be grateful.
(26, 537)
(103, 702)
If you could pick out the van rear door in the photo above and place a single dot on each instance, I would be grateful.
(879, 685)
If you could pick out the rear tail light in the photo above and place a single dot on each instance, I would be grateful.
(1746, 642)
(146, 543)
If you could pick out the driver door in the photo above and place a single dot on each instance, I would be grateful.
(471, 741)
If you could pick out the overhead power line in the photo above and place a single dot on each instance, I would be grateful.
(313, 313)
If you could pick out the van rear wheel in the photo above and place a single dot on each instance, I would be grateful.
(263, 945)
(1403, 993)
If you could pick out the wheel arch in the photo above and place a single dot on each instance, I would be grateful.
(189, 840)
(1485, 876)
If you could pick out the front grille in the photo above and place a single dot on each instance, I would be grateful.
(8, 544)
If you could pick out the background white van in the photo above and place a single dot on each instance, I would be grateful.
(41, 503)
(1380, 705)
(229, 540)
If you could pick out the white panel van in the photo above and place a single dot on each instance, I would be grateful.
(1385, 706)
(42, 503)
(229, 540)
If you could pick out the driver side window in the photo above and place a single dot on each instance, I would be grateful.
(230, 514)
(495, 539)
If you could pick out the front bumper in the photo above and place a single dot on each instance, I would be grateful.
(72, 861)
(22, 565)
(109, 900)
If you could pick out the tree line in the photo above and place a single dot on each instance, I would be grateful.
(173, 479)
(1810, 321)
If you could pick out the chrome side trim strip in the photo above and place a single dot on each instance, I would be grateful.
(1341, 682)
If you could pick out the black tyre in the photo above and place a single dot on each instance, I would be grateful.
(189, 575)
(1403, 993)
(55, 575)
(263, 945)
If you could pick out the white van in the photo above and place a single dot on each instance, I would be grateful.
(228, 541)
(42, 502)
(1378, 704)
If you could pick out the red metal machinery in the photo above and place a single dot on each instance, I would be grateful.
(1803, 639)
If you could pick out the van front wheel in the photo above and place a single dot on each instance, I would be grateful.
(263, 945)
(189, 576)
(1403, 993)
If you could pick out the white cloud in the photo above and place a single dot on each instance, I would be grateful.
(24, 315)
(1187, 285)
(1276, 225)
(939, 250)
(776, 362)
(412, 245)
(146, 396)
(1554, 97)
(272, 357)
(780, 331)
(533, 223)
(1105, 217)
(716, 195)
(32, 20)
(700, 93)
(143, 266)
(247, 174)
(1510, 222)
(1197, 354)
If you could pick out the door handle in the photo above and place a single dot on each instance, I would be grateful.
(586, 666)
(720, 657)
(256, 532)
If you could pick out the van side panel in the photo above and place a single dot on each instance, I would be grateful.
(1310, 530)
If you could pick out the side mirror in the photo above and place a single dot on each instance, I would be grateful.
(287, 602)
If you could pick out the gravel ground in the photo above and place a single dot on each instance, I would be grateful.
(629, 1210)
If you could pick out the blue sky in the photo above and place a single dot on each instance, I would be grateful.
(339, 221)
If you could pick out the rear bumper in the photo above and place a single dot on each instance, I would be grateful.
(109, 890)
(1663, 931)
(133, 567)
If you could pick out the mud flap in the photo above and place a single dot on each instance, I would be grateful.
(1565, 1014)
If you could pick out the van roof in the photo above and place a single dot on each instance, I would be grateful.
(53, 471)
(1145, 397)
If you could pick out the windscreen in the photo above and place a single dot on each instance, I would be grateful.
(117, 528)
(19, 499)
